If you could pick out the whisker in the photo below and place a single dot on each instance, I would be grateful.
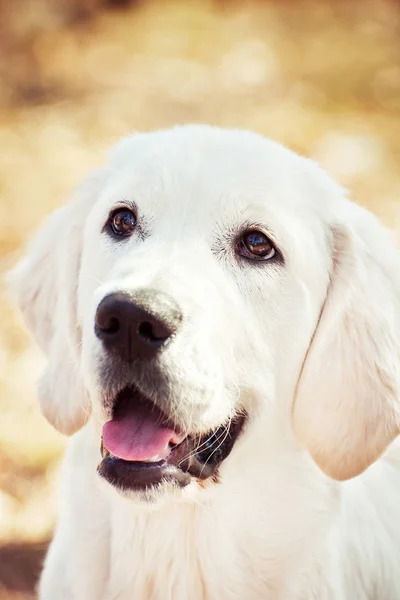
(228, 428)
(200, 446)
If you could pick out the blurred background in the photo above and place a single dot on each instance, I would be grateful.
(320, 76)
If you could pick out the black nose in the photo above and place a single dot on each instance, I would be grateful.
(136, 327)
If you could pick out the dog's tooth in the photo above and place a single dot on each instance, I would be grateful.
(154, 459)
(158, 457)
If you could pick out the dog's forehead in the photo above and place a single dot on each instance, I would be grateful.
(203, 166)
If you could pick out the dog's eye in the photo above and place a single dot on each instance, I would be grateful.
(122, 222)
(255, 244)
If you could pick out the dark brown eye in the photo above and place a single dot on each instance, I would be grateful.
(122, 222)
(255, 244)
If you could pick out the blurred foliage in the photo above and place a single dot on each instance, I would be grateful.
(320, 76)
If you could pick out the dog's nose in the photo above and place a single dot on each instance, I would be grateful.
(136, 326)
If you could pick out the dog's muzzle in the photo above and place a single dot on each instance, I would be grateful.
(141, 446)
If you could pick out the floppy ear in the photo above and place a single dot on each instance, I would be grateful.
(347, 409)
(45, 282)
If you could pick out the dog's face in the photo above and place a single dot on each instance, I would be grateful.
(190, 271)
(203, 280)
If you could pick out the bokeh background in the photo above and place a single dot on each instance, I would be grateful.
(320, 76)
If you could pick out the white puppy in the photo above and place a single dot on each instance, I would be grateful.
(222, 326)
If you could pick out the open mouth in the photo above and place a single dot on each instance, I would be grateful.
(141, 448)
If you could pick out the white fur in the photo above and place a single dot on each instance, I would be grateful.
(310, 348)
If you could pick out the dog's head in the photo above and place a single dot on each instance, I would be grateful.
(206, 279)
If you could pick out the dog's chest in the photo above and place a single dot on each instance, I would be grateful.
(180, 559)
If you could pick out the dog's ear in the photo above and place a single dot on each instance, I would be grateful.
(45, 283)
(347, 409)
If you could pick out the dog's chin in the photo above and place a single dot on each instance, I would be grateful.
(196, 458)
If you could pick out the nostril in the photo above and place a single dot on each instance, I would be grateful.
(107, 325)
(146, 330)
(112, 327)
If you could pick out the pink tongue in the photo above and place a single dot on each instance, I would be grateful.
(137, 435)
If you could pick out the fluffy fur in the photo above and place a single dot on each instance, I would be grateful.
(306, 506)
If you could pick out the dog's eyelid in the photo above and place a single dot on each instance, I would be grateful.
(256, 225)
(124, 203)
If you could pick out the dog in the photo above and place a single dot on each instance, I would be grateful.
(222, 332)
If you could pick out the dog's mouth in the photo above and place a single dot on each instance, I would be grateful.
(142, 448)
